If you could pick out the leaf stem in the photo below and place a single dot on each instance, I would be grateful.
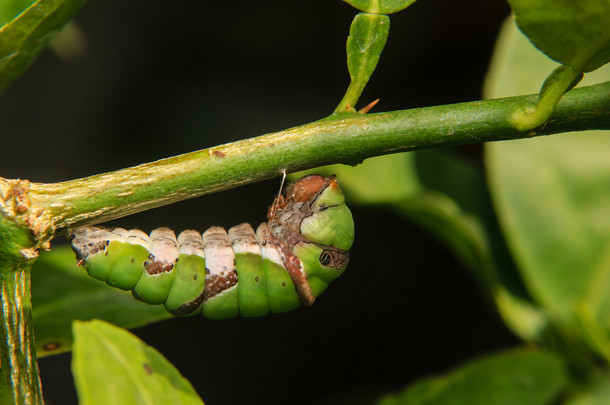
(531, 115)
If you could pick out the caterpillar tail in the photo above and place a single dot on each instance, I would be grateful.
(287, 262)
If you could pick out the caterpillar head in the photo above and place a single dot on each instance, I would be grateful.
(314, 207)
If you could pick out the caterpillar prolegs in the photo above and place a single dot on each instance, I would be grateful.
(286, 263)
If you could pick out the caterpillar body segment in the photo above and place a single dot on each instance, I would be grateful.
(287, 262)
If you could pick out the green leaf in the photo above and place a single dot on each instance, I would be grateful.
(514, 377)
(25, 37)
(112, 366)
(552, 197)
(367, 37)
(10, 9)
(574, 33)
(380, 6)
(63, 292)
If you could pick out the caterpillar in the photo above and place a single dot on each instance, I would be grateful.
(287, 262)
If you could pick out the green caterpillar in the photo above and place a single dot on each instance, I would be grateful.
(286, 263)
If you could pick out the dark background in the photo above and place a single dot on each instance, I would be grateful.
(163, 78)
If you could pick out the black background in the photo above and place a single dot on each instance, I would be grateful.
(163, 78)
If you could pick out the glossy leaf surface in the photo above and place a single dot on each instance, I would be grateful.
(574, 33)
(112, 366)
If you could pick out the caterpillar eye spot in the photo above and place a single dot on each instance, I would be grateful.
(325, 259)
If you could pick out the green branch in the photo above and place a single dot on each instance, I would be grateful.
(341, 138)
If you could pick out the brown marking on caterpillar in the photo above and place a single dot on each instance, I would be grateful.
(220, 273)
(82, 244)
(188, 307)
(164, 251)
(215, 284)
(154, 267)
(293, 266)
(305, 189)
(279, 204)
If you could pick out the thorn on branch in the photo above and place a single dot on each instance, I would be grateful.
(368, 107)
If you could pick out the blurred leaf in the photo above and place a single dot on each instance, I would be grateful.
(69, 43)
(112, 366)
(62, 292)
(574, 33)
(596, 393)
(22, 39)
(380, 6)
(448, 197)
(514, 377)
(460, 213)
(552, 195)
(10, 9)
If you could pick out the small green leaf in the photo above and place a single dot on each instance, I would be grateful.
(574, 33)
(380, 6)
(514, 377)
(22, 39)
(112, 366)
(367, 37)
(63, 292)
